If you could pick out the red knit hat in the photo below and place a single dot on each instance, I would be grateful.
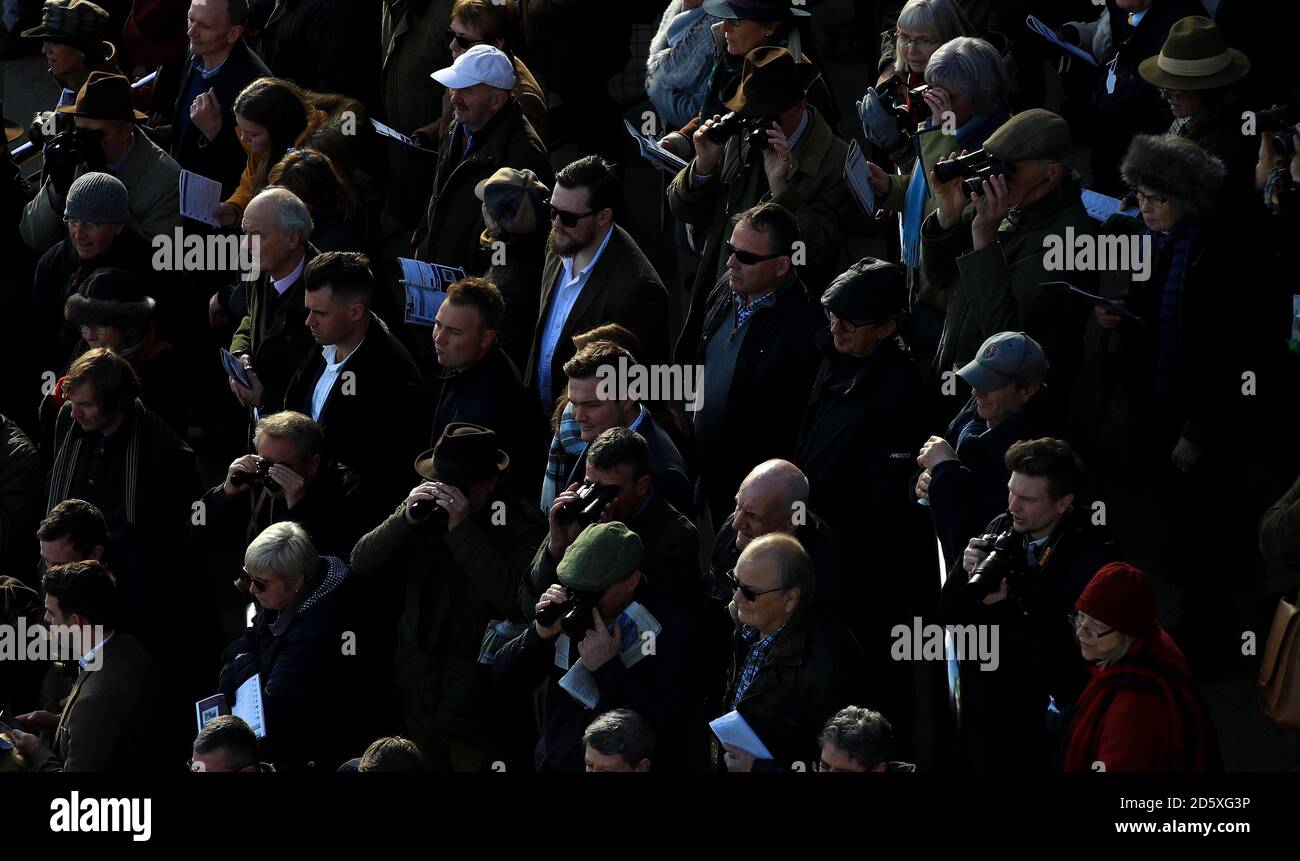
(1121, 596)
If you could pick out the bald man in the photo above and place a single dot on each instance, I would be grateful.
(773, 498)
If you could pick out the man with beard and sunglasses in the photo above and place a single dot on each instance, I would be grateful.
(594, 274)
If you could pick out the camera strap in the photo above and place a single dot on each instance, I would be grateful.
(1054, 539)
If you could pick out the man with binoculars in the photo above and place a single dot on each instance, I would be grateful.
(604, 641)
(985, 243)
(771, 146)
(1024, 576)
(462, 540)
(618, 486)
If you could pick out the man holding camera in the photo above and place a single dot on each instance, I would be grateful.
(105, 139)
(990, 247)
(619, 487)
(772, 147)
(592, 639)
(289, 478)
(1024, 576)
(462, 540)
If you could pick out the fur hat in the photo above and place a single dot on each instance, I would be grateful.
(110, 297)
(1175, 168)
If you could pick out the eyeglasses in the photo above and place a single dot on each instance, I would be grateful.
(253, 583)
(1166, 93)
(1082, 627)
(464, 42)
(78, 224)
(749, 258)
(846, 325)
(925, 43)
(97, 331)
(1156, 200)
(750, 594)
(568, 219)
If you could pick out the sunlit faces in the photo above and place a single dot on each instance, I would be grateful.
(63, 60)
(276, 248)
(994, 406)
(90, 239)
(754, 279)
(330, 320)
(458, 340)
(475, 105)
(256, 137)
(595, 415)
(1033, 510)
(741, 36)
(209, 29)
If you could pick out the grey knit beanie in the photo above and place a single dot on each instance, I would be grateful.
(98, 197)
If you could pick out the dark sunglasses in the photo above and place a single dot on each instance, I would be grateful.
(253, 583)
(568, 219)
(749, 258)
(465, 43)
(750, 594)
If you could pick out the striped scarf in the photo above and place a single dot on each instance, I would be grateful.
(566, 446)
(68, 456)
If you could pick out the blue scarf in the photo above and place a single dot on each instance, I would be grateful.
(1169, 352)
(970, 137)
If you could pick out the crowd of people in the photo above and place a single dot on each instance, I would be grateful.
(980, 347)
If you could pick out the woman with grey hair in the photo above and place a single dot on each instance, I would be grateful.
(967, 99)
(296, 647)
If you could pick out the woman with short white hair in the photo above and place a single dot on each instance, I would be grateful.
(295, 646)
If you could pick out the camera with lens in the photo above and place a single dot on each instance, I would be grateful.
(576, 613)
(586, 509)
(753, 131)
(1280, 119)
(1004, 560)
(261, 475)
(974, 167)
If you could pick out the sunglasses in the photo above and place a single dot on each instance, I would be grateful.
(464, 42)
(568, 219)
(750, 594)
(749, 258)
(253, 583)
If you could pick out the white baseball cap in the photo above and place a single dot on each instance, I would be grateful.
(482, 64)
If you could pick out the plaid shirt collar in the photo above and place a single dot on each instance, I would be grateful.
(758, 649)
(745, 310)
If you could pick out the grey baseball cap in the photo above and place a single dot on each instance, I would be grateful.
(1005, 358)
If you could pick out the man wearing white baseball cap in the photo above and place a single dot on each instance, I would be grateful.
(489, 132)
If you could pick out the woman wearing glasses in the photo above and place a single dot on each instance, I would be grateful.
(921, 27)
(1142, 710)
(293, 646)
(1188, 404)
(967, 99)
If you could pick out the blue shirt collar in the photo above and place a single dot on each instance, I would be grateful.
(567, 262)
(209, 74)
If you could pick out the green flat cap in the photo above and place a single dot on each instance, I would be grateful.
(602, 555)
(1028, 135)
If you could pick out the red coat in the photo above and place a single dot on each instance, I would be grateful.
(1143, 713)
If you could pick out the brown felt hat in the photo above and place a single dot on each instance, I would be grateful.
(1194, 57)
(105, 96)
(772, 82)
